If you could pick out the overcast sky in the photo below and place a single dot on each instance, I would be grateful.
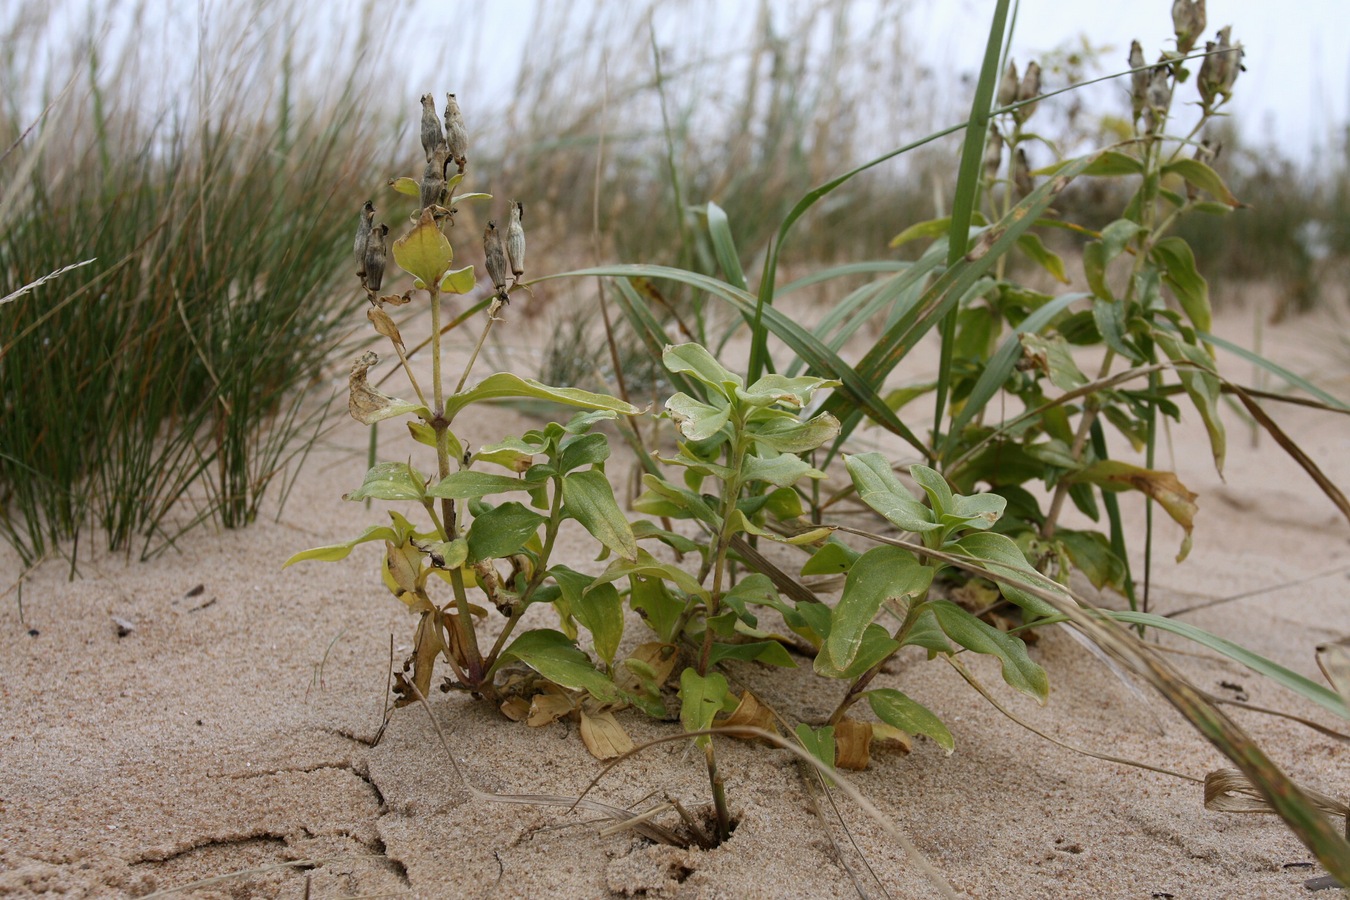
(1294, 92)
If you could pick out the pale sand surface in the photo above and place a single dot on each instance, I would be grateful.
(203, 743)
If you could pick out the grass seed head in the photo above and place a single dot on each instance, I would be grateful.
(375, 255)
(363, 236)
(431, 126)
(456, 136)
(515, 240)
(494, 256)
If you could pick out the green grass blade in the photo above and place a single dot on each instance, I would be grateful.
(1277, 370)
(724, 246)
(967, 193)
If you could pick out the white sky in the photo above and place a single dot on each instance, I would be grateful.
(1293, 94)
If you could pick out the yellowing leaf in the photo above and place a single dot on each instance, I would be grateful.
(1164, 487)
(406, 185)
(424, 252)
(603, 735)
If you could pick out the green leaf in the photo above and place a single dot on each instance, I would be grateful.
(424, 253)
(925, 631)
(880, 489)
(1109, 316)
(445, 555)
(504, 385)
(940, 497)
(1117, 236)
(665, 499)
(783, 470)
(702, 697)
(724, 246)
(768, 652)
(968, 631)
(793, 392)
(819, 742)
(588, 498)
(933, 228)
(881, 574)
(1092, 555)
(390, 481)
(697, 420)
(334, 552)
(583, 450)
(599, 610)
(790, 435)
(831, 559)
(1203, 177)
(644, 563)
(502, 531)
(876, 646)
(1051, 355)
(470, 485)
(459, 281)
(1003, 557)
(1202, 386)
(659, 607)
(1174, 256)
(695, 360)
(977, 511)
(552, 655)
(895, 708)
(1047, 259)
(1094, 269)
(406, 185)
(1106, 164)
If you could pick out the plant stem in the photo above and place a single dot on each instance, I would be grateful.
(473, 358)
(860, 684)
(1080, 438)
(731, 492)
(464, 621)
(719, 792)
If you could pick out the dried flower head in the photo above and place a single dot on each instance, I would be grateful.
(1029, 88)
(431, 125)
(993, 153)
(363, 236)
(1220, 69)
(433, 184)
(515, 240)
(375, 255)
(1159, 98)
(1139, 79)
(1021, 173)
(1007, 88)
(494, 256)
(1188, 22)
(456, 136)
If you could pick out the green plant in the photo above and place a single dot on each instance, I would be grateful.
(470, 539)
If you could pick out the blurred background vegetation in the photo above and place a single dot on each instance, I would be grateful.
(215, 188)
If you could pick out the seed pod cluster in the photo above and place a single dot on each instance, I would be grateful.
(1030, 87)
(431, 126)
(1158, 99)
(1021, 173)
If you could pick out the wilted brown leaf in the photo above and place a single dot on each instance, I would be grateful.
(1228, 790)
(368, 404)
(517, 709)
(1164, 487)
(750, 713)
(1334, 661)
(548, 708)
(384, 325)
(853, 744)
(603, 735)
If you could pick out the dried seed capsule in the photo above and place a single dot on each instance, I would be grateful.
(1007, 88)
(375, 252)
(494, 256)
(515, 240)
(1188, 22)
(431, 125)
(1021, 173)
(993, 153)
(433, 184)
(1138, 80)
(1220, 69)
(456, 136)
(1159, 98)
(1029, 88)
(363, 236)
